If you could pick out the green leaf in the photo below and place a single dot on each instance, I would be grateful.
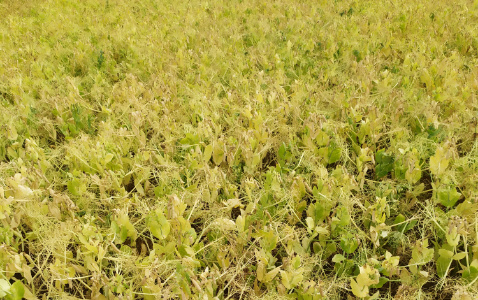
(405, 226)
(343, 216)
(297, 279)
(338, 258)
(445, 253)
(410, 225)
(348, 243)
(380, 283)
(296, 262)
(399, 219)
(356, 53)
(121, 232)
(282, 151)
(123, 228)
(240, 224)
(76, 187)
(284, 155)
(449, 197)
(190, 139)
(471, 273)
(466, 208)
(322, 139)
(269, 241)
(420, 253)
(399, 170)
(444, 260)
(334, 154)
(442, 264)
(436, 134)
(452, 236)
(330, 249)
(320, 210)
(17, 290)
(384, 164)
(345, 267)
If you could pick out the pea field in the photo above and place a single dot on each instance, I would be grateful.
(238, 149)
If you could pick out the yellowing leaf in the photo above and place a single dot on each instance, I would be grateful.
(368, 276)
(23, 192)
(271, 274)
(424, 273)
(4, 287)
(322, 230)
(158, 225)
(222, 259)
(261, 270)
(240, 224)
(218, 153)
(27, 273)
(412, 163)
(413, 175)
(207, 152)
(297, 279)
(453, 237)
(108, 158)
(445, 253)
(358, 290)
(439, 162)
(12, 133)
(285, 279)
(310, 224)
(126, 225)
(176, 207)
(390, 264)
(225, 224)
(426, 78)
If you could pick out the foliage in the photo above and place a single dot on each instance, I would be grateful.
(238, 149)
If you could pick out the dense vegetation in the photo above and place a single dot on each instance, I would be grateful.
(238, 149)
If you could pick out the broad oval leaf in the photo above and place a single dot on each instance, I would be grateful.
(158, 225)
